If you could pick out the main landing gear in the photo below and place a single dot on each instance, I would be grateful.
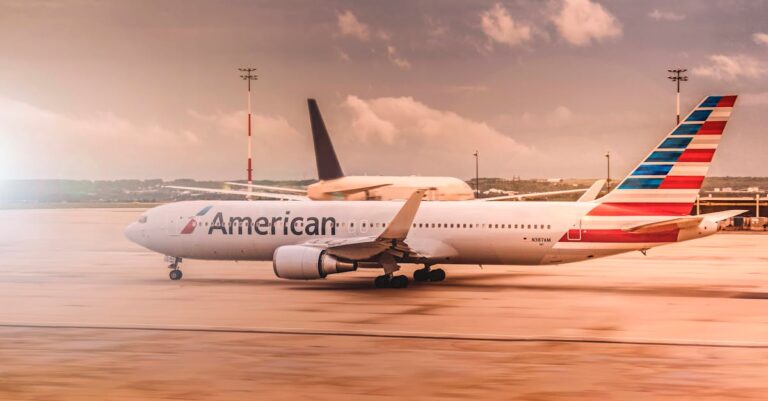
(390, 281)
(175, 273)
(427, 274)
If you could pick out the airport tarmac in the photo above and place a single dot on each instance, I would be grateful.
(87, 315)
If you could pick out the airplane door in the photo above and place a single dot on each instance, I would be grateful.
(574, 233)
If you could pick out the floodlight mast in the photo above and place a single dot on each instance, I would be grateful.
(677, 78)
(249, 76)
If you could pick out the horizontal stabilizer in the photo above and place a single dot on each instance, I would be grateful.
(531, 195)
(682, 222)
(592, 192)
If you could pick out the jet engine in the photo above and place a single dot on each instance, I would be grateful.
(298, 262)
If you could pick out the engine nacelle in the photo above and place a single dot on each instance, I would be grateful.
(297, 262)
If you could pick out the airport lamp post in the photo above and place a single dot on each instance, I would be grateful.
(676, 79)
(477, 175)
(249, 76)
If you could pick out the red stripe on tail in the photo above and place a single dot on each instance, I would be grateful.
(681, 182)
(727, 101)
(697, 155)
(712, 128)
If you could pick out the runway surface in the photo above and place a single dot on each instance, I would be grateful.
(86, 315)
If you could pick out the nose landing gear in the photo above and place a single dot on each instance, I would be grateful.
(175, 273)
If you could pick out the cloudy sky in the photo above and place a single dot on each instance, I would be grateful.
(542, 88)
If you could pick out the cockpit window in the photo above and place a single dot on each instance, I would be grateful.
(143, 219)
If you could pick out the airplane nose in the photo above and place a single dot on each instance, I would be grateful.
(132, 233)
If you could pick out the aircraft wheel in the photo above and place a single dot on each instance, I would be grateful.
(421, 274)
(399, 282)
(382, 281)
(175, 275)
(437, 275)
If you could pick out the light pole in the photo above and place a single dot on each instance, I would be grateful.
(477, 175)
(608, 172)
(249, 76)
(676, 78)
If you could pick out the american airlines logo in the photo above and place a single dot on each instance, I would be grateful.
(192, 223)
(277, 225)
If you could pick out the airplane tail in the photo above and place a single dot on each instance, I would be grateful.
(668, 180)
(328, 166)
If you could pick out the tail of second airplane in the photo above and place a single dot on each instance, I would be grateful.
(328, 166)
(668, 180)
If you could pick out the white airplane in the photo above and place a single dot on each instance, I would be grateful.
(334, 185)
(311, 240)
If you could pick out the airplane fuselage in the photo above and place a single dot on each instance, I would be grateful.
(512, 233)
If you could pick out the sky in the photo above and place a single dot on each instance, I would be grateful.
(541, 88)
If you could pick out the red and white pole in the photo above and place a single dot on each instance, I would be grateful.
(250, 146)
(249, 76)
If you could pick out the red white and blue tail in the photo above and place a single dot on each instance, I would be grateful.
(668, 180)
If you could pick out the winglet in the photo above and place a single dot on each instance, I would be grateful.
(592, 192)
(398, 228)
(328, 166)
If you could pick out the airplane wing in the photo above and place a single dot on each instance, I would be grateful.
(592, 192)
(269, 188)
(270, 195)
(390, 243)
(682, 222)
(531, 195)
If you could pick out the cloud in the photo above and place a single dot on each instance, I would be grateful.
(722, 67)
(499, 26)
(582, 21)
(760, 38)
(81, 146)
(412, 138)
(660, 15)
(397, 60)
(349, 25)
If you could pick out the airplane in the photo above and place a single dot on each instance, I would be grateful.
(312, 240)
(334, 185)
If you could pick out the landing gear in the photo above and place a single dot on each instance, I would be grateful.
(421, 274)
(175, 275)
(390, 281)
(437, 275)
(427, 274)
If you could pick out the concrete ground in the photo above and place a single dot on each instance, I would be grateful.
(86, 315)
